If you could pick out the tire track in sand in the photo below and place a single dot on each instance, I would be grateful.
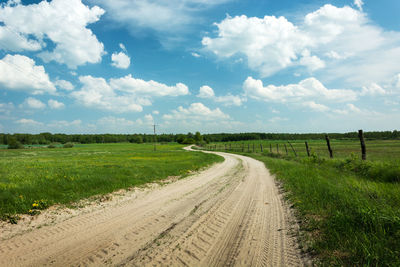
(230, 214)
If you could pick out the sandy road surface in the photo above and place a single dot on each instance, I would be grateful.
(230, 214)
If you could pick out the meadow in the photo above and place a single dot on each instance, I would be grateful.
(348, 209)
(35, 178)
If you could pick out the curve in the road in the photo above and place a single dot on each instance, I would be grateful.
(230, 214)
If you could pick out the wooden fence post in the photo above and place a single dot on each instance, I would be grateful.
(328, 143)
(294, 151)
(270, 147)
(277, 148)
(286, 149)
(230, 146)
(215, 148)
(308, 151)
(363, 149)
(261, 148)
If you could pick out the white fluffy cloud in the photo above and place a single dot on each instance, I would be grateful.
(120, 60)
(125, 94)
(309, 88)
(373, 90)
(62, 22)
(32, 103)
(315, 106)
(54, 104)
(389, 88)
(131, 85)
(20, 73)
(206, 92)
(269, 43)
(229, 100)
(313, 63)
(195, 54)
(97, 93)
(332, 39)
(349, 108)
(149, 118)
(63, 84)
(14, 41)
(29, 122)
(359, 4)
(196, 112)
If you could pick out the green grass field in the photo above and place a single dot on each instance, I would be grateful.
(377, 150)
(347, 220)
(349, 209)
(39, 177)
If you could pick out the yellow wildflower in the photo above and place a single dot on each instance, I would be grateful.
(35, 205)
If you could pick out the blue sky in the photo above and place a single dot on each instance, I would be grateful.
(118, 66)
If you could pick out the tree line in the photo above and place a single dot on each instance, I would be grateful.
(48, 138)
(227, 137)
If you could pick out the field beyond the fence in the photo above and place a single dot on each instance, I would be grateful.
(377, 150)
(35, 178)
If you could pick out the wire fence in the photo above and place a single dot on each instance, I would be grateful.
(382, 150)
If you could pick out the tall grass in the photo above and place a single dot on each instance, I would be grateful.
(59, 175)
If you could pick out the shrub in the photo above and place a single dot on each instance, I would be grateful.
(201, 143)
(188, 141)
(180, 139)
(68, 145)
(14, 144)
(51, 146)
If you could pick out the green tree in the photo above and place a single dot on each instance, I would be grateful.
(13, 143)
(180, 139)
(197, 137)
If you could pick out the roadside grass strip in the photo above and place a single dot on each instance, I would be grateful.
(347, 216)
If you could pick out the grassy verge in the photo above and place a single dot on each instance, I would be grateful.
(349, 210)
(33, 179)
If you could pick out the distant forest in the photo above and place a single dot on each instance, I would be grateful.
(48, 138)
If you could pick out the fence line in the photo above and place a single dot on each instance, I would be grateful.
(237, 147)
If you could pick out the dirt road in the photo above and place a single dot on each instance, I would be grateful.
(230, 214)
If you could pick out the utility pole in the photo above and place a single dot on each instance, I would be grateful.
(155, 136)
